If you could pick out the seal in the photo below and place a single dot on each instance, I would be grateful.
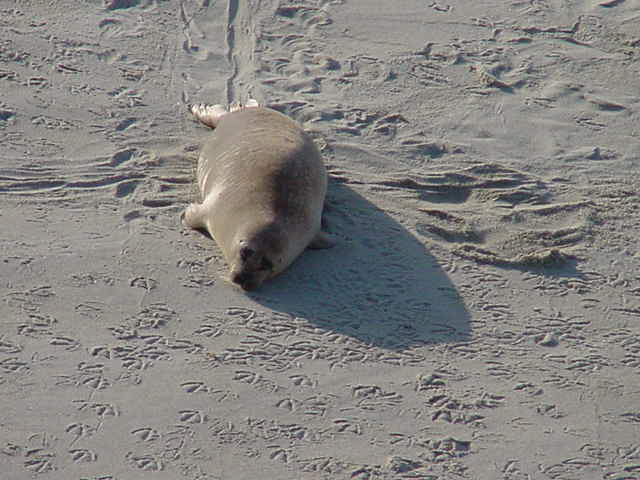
(263, 184)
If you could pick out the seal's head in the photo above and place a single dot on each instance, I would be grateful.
(258, 255)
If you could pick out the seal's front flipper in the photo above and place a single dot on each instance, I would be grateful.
(322, 240)
(193, 217)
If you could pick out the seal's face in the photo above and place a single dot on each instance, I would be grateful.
(252, 268)
(258, 257)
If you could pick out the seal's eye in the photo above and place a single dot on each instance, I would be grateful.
(266, 264)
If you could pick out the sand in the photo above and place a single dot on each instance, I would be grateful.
(479, 317)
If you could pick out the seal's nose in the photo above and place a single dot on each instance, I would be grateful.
(239, 278)
(244, 280)
(245, 253)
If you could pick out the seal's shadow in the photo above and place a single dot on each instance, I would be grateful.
(378, 284)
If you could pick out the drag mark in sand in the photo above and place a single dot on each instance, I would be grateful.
(232, 11)
(240, 45)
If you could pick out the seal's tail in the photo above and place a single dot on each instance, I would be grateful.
(210, 115)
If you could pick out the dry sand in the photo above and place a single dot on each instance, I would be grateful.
(479, 318)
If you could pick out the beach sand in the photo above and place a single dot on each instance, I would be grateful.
(479, 317)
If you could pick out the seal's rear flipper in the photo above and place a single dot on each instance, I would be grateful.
(209, 115)
(321, 240)
(237, 106)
